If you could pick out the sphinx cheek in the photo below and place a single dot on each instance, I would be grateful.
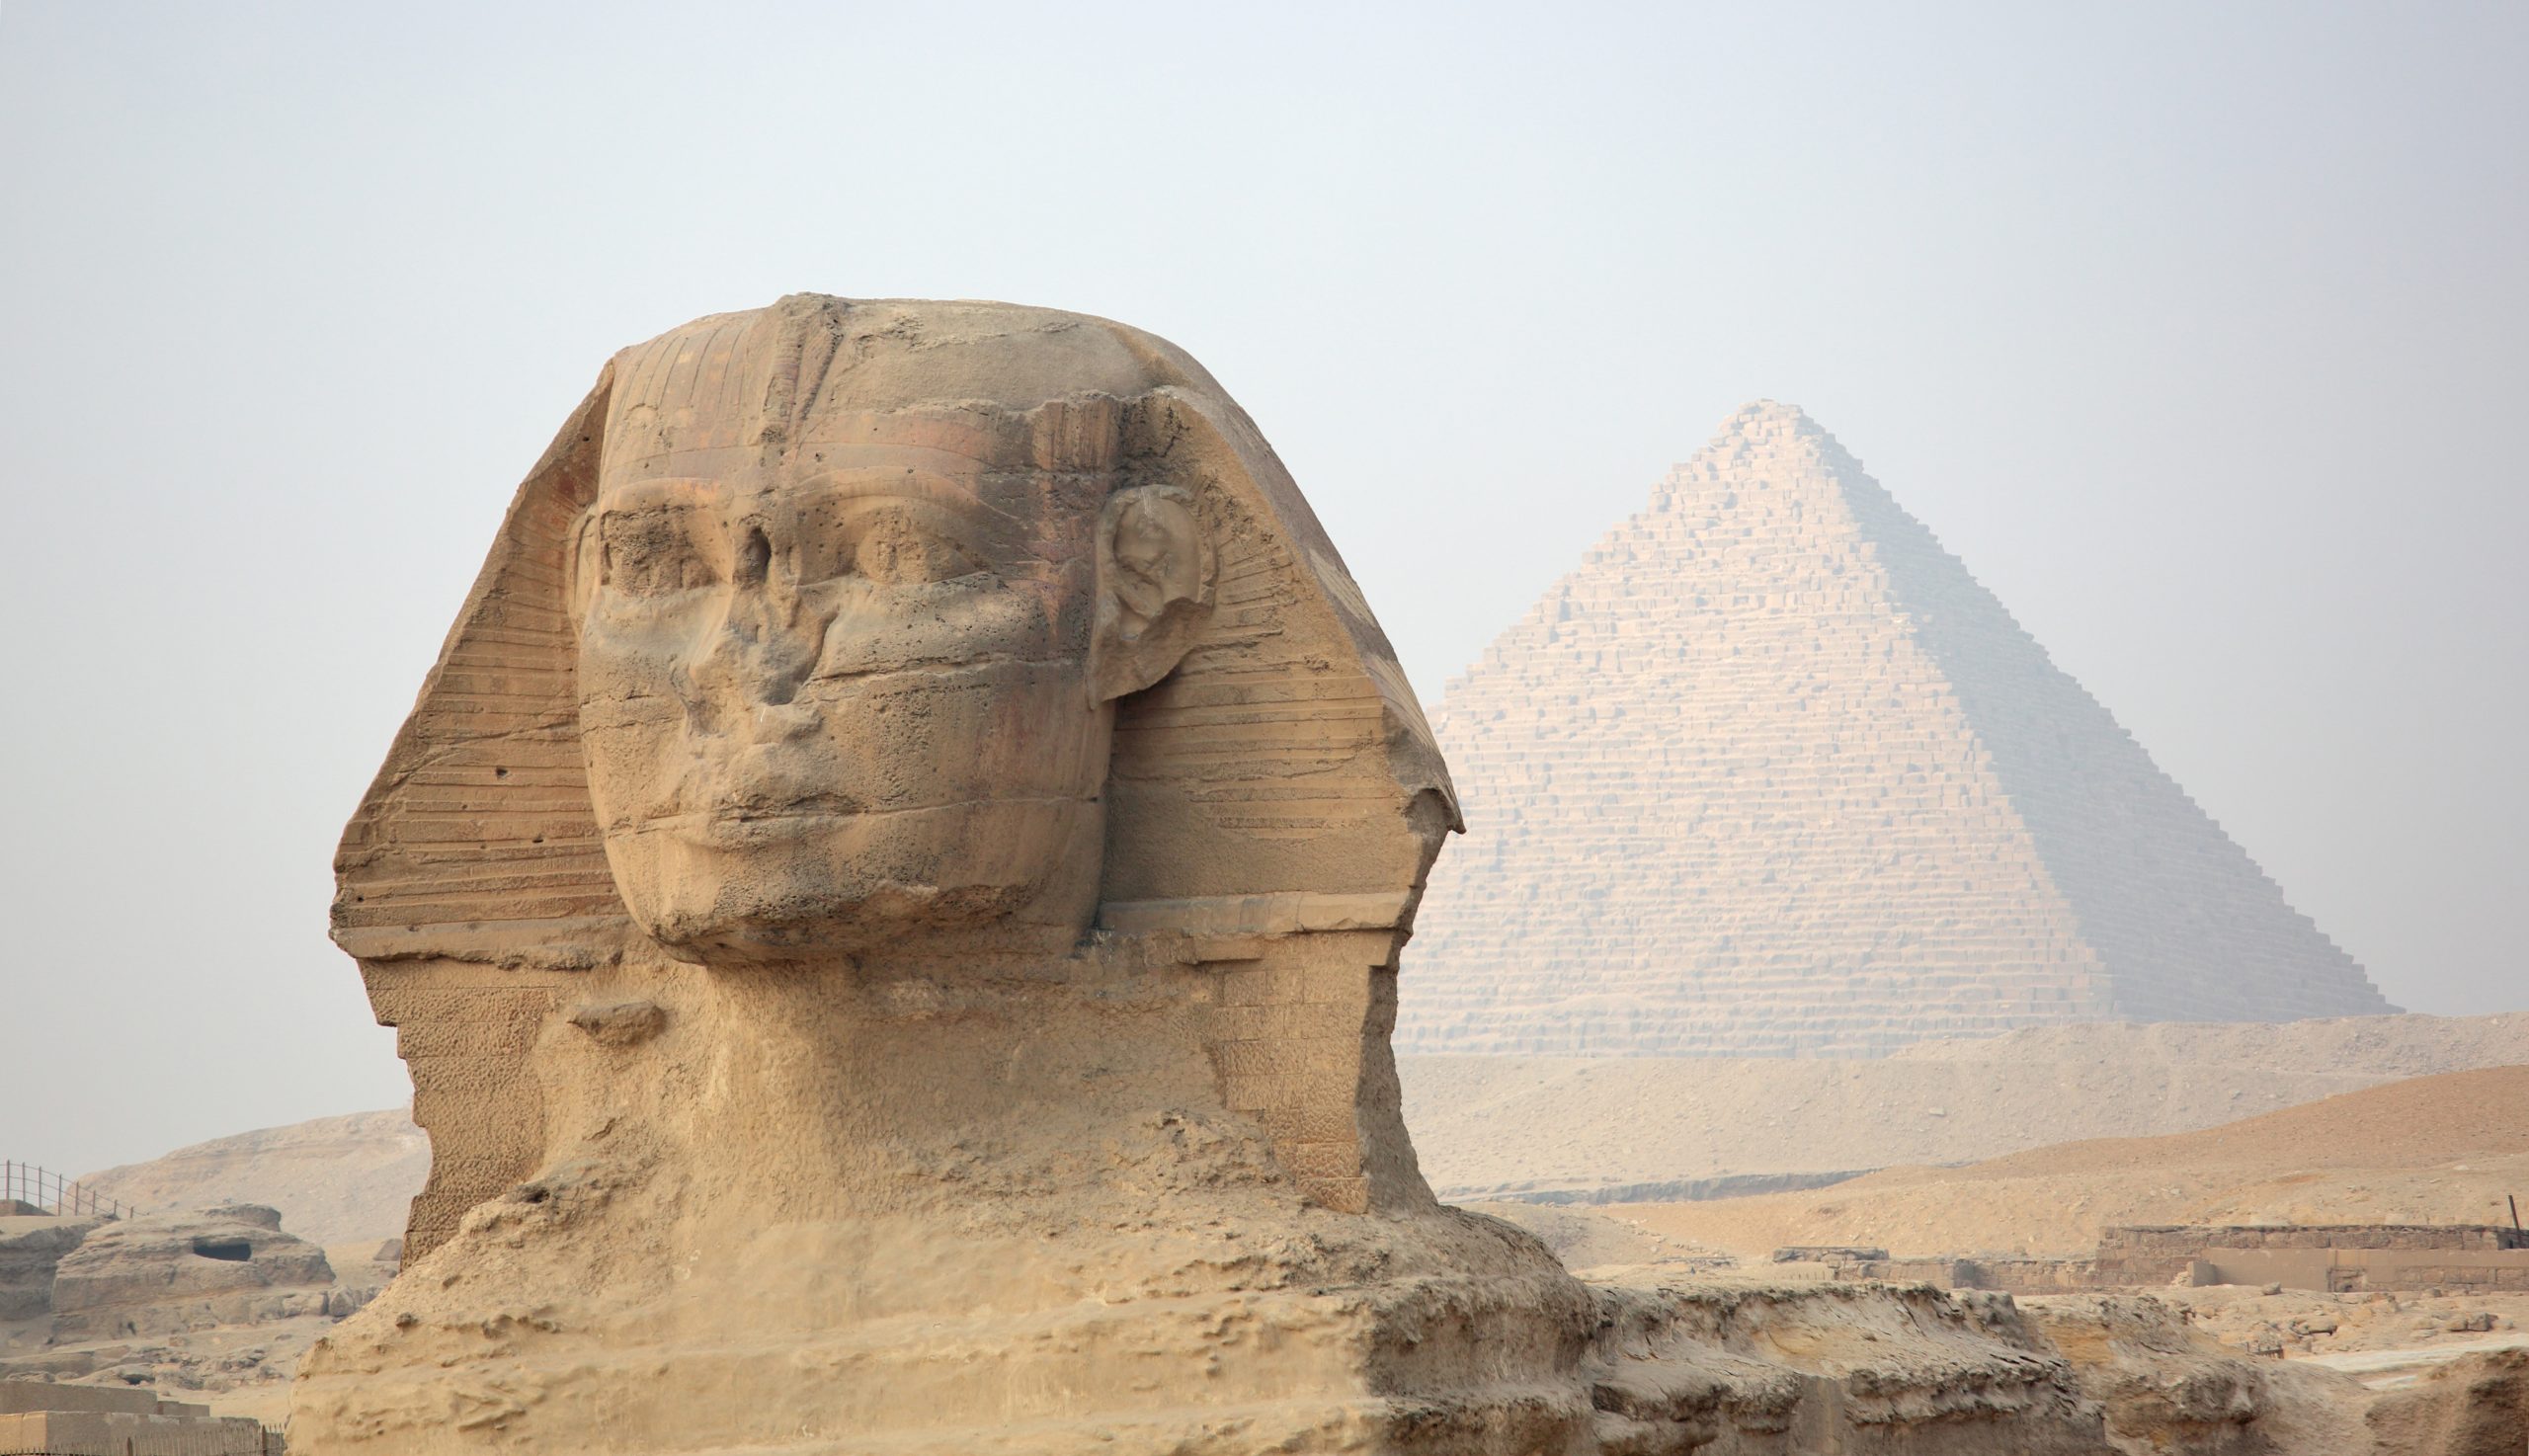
(875, 630)
(634, 717)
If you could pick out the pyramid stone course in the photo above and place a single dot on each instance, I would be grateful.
(1772, 774)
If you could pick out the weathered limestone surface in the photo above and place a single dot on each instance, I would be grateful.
(1772, 773)
(168, 1273)
(2170, 1390)
(891, 899)
(2477, 1406)
(32, 1247)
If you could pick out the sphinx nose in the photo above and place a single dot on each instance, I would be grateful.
(754, 660)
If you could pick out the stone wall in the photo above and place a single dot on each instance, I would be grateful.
(2155, 1254)
(2344, 1257)
(95, 1433)
(2360, 1270)
(41, 1418)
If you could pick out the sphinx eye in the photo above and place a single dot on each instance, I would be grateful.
(650, 553)
(901, 553)
(896, 548)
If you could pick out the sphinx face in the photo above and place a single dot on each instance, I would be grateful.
(840, 701)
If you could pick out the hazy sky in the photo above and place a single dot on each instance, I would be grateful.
(2197, 330)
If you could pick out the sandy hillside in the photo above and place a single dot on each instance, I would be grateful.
(335, 1180)
(1489, 1125)
(1492, 1124)
(2442, 1149)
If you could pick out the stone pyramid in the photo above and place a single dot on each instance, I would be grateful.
(1772, 774)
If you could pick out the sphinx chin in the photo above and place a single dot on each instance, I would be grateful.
(752, 927)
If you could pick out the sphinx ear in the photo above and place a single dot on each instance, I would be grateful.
(1154, 589)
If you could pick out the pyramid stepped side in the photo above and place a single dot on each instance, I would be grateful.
(1719, 800)
(1723, 794)
(2190, 927)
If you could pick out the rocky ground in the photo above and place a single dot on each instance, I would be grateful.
(2227, 1369)
(213, 1306)
(2291, 1324)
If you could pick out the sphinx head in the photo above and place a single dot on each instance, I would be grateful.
(842, 626)
(845, 627)
(849, 651)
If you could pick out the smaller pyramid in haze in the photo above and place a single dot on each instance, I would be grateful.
(1772, 774)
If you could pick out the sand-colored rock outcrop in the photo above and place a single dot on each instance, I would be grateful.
(2478, 1406)
(891, 899)
(1770, 773)
(2171, 1390)
(31, 1252)
(1745, 1369)
(166, 1274)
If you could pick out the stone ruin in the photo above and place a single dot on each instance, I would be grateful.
(892, 898)
(2326, 1259)
(41, 1418)
(2334, 1258)
(1772, 774)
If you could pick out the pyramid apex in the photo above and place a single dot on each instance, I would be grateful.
(1769, 418)
(1769, 409)
(1759, 428)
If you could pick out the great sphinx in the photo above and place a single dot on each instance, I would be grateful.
(891, 899)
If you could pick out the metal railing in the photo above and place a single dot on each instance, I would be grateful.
(24, 1182)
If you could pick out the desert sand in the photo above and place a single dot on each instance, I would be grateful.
(2443, 1149)
(1487, 1126)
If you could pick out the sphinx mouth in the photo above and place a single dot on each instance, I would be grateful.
(752, 821)
(759, 823)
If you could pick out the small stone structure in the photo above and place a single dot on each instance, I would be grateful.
(2343, 1258)
(2340, 1258)
(40, 1419)
(1772, 774)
